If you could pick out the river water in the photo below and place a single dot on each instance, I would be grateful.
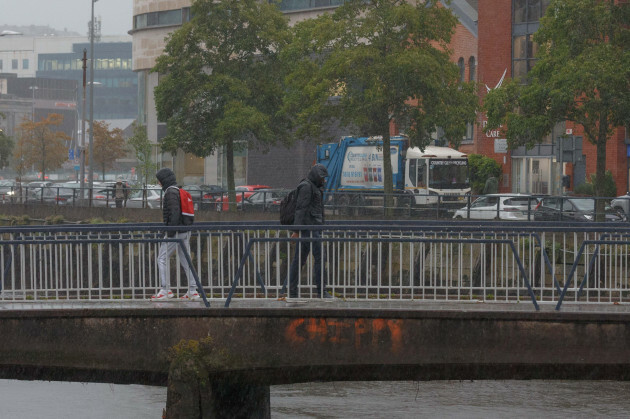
(432, 399)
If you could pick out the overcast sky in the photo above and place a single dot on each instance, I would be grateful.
(73, 15)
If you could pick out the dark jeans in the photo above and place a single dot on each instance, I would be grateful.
(119, 203)
(299, 259)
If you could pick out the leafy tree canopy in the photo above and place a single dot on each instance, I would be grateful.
(221, 82)
(582, 75)
(109, 145)
(381, 61)
(41, 145)
(384, 60)
(481, 169)
(587, 188)
(142, 147)
(6, 146)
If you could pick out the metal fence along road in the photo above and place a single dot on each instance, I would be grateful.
(348, 204)
(541, 263)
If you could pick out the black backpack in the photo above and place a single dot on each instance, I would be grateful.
(288, 205)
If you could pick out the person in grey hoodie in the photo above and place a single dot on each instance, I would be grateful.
(172, 215)
(309, 210)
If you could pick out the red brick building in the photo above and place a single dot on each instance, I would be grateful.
(505, 49)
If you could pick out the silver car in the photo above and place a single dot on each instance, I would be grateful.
(499, 206)
(153, 198)
(622, 204)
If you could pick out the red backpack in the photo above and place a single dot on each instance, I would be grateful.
(187, 206)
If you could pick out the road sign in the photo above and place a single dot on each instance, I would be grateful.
(71, 154)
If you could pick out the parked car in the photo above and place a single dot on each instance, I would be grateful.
(75, 184)
(32, 188)
(262, 200)
(212, 190)
(555, 208)
(152, 200)
(210, 194)
(104, 197)
(244, 191)
(8, 189)
(54, 195)
(622, 204)
(509, 206)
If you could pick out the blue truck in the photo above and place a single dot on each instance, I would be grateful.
(420, 177)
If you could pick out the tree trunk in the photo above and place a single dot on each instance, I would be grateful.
(600, 171)
(229, 161)
(387, 176)
(43, 161)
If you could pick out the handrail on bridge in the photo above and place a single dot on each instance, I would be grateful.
(252, 241)
(391, 259)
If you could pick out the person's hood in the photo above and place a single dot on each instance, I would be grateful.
(166, 177)
(317, 174)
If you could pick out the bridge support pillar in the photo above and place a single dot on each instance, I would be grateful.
(217, 399)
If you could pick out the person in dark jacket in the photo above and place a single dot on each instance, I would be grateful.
(309, 210)
(172, 215)
(121, 192)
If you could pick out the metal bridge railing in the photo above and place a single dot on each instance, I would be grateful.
(362, 261)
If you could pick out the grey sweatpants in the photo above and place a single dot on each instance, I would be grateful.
(166, 250)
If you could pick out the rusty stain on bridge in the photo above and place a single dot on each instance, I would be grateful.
(379, 333)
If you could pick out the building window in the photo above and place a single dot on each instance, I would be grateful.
(524, 11)
(462, 69)
(472, 69)
(171, 17)
(468, 137)
(140, 21)
(523, 53)
(0, 64)
(25, 64)
(526, 15)
(14, 64)
(287, 5)
(163, 18)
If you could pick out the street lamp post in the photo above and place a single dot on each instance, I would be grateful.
(91, 171)
(82, 148)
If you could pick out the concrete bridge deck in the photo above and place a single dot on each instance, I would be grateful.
(202, 353)
(336, 304)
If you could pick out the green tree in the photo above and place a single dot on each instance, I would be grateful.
(587, 188)
(481, 169)
(221, 81)
(142, 147)
(383, 61)
(109, 145)
(582, 75)
(41, 145)
(6, 147)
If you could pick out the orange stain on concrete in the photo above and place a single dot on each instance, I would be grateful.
(362, 333)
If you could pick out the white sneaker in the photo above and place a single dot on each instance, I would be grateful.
(190, 296)
(162, 295)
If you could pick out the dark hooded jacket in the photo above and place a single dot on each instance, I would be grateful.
(309, 209)
(171, 211)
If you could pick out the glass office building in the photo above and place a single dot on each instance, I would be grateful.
(115, 84)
